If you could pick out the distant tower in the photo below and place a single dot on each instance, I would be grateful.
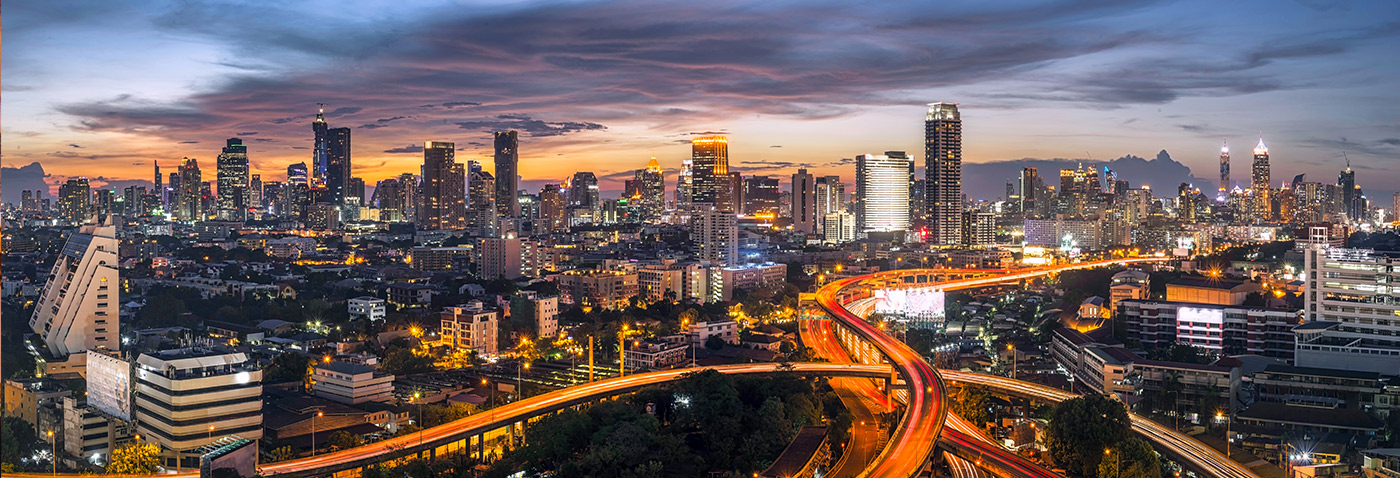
(712, 182)
(232, 175)
(1346, 182)
(943, 171)
(1225, 167)
(507, 173)
(443, 202)
(804, 202)
(1260, 182)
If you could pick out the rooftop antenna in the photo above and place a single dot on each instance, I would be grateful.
(320, 107)
(1344, 156)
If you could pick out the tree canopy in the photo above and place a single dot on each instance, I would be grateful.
(1082, 428)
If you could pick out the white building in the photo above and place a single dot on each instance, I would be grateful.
(539, 310)
(727, 330)
(747, 276)
(654, 355)
(293, 247)
(367, 307)
(1352, 317)
(351, 383)
(188, 398)
(882, 193)
(838, 228)
(471, 327)
(670, 280)
(716, 236)
(78, 309)
(507, 258)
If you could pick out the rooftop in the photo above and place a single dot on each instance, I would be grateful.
(1337, 418)
(1207, 283)
(1321, 372)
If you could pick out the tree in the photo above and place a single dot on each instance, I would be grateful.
(402, 361)
(1081, 428)
(342, 439)
(287, 366)
(282, 453)
(974, 404)
(134, 458)
(1131, 458)
(17, 440)
(715, 342)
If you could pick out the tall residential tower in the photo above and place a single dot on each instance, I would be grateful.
(507, 174)
(943, 172)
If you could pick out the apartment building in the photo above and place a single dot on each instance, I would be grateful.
(188, 398)
(471, 326)
(1353, 320)
(351, 383)
(597, 288)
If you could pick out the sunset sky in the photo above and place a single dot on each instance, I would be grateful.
(103, 89)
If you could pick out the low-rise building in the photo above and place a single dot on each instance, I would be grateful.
(367, 307)
(654, 355)
(471, 326)
(1127, 285)
(726, 280)
(1230, 330)
(410, 296)
(726, 330)
(597, 288)
(351, 383)
(441, 258)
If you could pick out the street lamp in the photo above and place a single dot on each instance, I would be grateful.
(1219, 415)
(1117, 462)
(520, 388)
(416, 398)
(1012, 348)
(313, 430)
(53, 452)
(211, 433)
(622, 351)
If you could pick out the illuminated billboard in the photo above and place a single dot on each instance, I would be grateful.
(1197, 315)
(109, 384)
(918, 305)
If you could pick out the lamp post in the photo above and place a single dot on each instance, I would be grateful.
(417, 396)
(211, 433)
(1012, 348)
(53, 444)
(622, 351)
(1117, 462)
(1220, 415)
(519, 386)
(313, 430)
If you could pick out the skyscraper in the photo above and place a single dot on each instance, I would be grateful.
(159, 190)
(443, 202)
(78, 309)
(761, 196)
(651, 188)
(1029, 190)
(712, 182)
(882, 194)
(1351, 195)
(584, 206)
(388, 198)
(232, 174)
(1260, 183)
(507, 174)
(553, 210)
(943, 172)
(255, 192)
(830, 198)
(804, 202)
(482, 192)
(297, 191)
(1225, 166)
(74, 201)
(685, 186)
(296, 173)
(330, 158)
(716, 236)
(190, 196)
(409, 192)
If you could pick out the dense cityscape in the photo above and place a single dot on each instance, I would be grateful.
(861, 315)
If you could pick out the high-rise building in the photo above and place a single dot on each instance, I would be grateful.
(712, 182)
(1395, 207)
(506, 258)
(330, 158)
(189, 398)
(232, 174)
(410, 190)
(507, 174)
(296, 173)
(584, 206)
(191, 192)
(355, 191)
(804, 202)
(1347, 300)
(553, 210)
(275, 198)
(1259, 183)
(443, 203)
(838, 228)
(715, 233)
(78, 308)
(1030, 189)
(75, 201)
(651, 190)
(159, 189)
(979, 229)
(1351, 195)
(943, 172)
(296, 191)
(761, 196)
(255, 192)
(1225, 166)
(685, 187)
(882, 195)
(481, 204)
(104, 202)
(830, 197)
(388, 198)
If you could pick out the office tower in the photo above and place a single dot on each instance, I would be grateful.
(1029, 190)
(507, 174)
(410, 190)
(189, 398)
(838, 228)
(274, 198)
(584, 206)
(137, 201)
(1225, 166)
(232, 174)
(1011, 197)
(296, 173)
(1351, 195)
(297, 191)
(553, 210)
(481, 204)
(78, 308)
(355, 191)
(715, 233)
(320, 149)
(103, 202)
(711, 182)
(443, 203)
(188, 197)
(882, 195)
(330, 158)
(685, 186)
(388, 198)
(1345, 309)
(804, 202)
(255, 192)
(761, 196)
(1259, 183)
(830, 197)
(74, 201)
(651, 190)
(943, 172)
(159, 189)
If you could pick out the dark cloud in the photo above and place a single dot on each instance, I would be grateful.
(189, 142)
(74, 145)
(776, 146)
(1194, 128)
(453, 104)
(382, 122)
(14, 180)
(248, 133)
(412, 148)
(342, 111)
(531, 126)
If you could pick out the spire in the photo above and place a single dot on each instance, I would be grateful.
(1225, 147)
(1344, 156)
(1260, 148)
(320, 112)
(653, 165)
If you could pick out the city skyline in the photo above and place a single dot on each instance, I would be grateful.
(772, 96)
